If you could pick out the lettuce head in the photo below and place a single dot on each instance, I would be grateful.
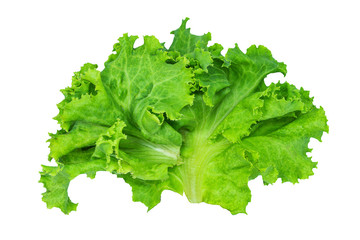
(187, 119)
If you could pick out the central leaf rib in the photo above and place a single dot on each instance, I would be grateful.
(197, 154)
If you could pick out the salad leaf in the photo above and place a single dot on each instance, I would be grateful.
(187, 119)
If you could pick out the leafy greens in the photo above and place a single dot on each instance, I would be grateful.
(186, 119)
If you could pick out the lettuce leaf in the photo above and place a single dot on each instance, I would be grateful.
(186, 119)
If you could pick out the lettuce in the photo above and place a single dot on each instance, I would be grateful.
(186, 119)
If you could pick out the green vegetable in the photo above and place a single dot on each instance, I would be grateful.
(186, 119)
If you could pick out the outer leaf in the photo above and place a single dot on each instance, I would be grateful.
(245, 73)
(86, 100)
(278, 100)
(134, 87)
(248, 103)
(56, 180)
(239, 121)
(225, 179)
(81, 135)
(135, 155)
(192, 47)
(141, 82)
(185, 42)
(282, 153)
(149, 192)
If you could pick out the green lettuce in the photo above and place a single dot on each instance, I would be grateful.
(186, 119)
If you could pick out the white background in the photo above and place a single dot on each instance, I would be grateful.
(43, 42)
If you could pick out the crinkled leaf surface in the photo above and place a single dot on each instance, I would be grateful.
(186, 119)
(120, 112)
